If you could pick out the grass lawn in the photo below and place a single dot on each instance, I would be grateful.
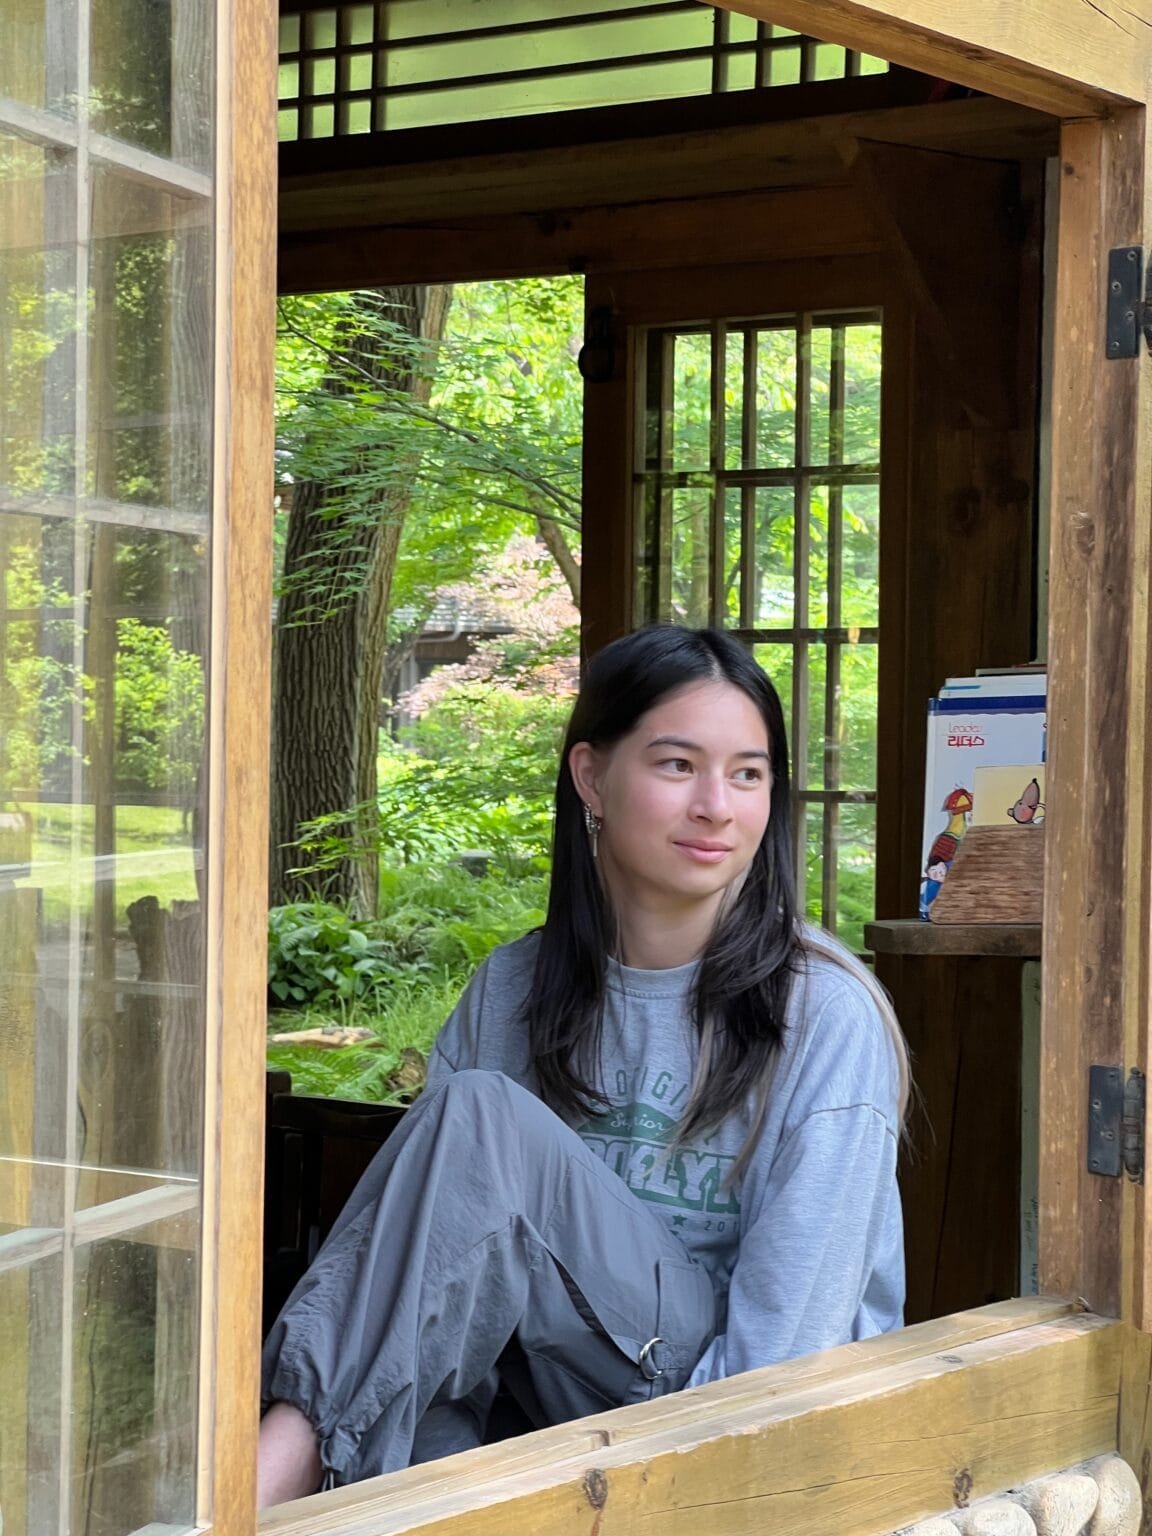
(152, 856)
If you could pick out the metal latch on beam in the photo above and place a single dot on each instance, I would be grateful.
(1129, 303)
(1116, 1114)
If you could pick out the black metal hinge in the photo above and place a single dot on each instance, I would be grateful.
(1116, 1116)
(1128, 313)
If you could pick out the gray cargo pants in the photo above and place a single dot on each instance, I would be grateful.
(485, 1234)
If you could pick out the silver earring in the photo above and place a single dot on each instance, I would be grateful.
(593, 824)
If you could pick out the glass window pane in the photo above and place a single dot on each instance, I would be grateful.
(819, 396)
(812, 865)
(855, 872)
(778, 662)
(859, 694)
(29, 71)
(357, 24)
(320, 77)
(134, 1375)
(830, 63)
(818, 573)
(783, 66)
(862, 394)
(151, 75)
(31, 1316)
(860, 566)
(149, 345)
(776, 398)
(738, 346)
(691, 554)
(321, 27)
(813, 773)
(729, 605)
(775, 579)
(692, 401)
(37, 319)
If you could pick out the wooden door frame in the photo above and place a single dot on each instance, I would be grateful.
(236, 852)
(1090, 63)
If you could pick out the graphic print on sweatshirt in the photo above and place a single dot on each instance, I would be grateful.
(634, 1138)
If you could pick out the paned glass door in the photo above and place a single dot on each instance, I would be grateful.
(106, 346)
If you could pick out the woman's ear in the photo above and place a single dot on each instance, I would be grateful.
(584, 768)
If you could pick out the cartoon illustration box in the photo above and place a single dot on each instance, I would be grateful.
(976, 723)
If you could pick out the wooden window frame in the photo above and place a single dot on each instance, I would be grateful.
(655, 479)
(1060, 56)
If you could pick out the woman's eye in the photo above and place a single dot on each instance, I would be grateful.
(750, 775)
(677, 764)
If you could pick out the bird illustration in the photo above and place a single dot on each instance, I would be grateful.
(958, 805)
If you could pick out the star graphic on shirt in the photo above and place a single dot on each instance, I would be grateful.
(678, 1221)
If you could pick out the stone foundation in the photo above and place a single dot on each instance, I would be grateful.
(1097, 1498)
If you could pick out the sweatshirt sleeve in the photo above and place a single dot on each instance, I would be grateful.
(822, 1263)
(456, 1047)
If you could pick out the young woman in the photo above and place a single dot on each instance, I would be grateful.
(658, 1141)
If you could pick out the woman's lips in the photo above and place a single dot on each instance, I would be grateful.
(705, 853)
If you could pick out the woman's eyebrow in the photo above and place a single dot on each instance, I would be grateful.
(694, 746)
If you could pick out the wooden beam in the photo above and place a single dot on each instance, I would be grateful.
(953, 225)
(237, 827)
(833, 1443)
(783, 225)
(1075, 58)
(1094, 958)
(346, 194)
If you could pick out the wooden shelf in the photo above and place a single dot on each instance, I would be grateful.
(910, 936)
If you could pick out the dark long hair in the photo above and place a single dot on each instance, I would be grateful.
(746, 971)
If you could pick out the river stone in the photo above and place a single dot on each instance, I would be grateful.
(1062, 1505)
(1120, 1509)
(998, 1517)
(937, 1526)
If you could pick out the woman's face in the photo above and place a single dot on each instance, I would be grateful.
(684, 798)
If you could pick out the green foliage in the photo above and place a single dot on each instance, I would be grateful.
(485, 783)
(319, 954)
(438, 923)
(497, 445)
(159, 709)
(505, 737)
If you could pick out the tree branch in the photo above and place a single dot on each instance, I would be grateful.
(404, 405)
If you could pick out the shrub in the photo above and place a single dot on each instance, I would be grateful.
(320, 956)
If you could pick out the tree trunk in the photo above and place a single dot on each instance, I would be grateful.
(561, 551)
(328, 674)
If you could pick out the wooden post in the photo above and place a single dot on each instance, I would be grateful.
(1093, 958)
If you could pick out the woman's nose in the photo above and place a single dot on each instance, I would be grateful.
(711, 801)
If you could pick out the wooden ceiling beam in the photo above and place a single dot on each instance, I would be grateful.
(798, 152)
(788, 224)
(1075, 58)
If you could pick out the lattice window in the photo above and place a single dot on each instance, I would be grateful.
(353, 69)
(757, 487)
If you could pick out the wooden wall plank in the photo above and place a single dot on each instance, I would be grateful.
(237, 846)
(1071, 57)
(1089, 959)
(845, 1455)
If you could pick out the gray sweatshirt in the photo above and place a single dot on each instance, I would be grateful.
(806, 1250)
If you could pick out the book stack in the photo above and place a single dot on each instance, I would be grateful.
(982, 857)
